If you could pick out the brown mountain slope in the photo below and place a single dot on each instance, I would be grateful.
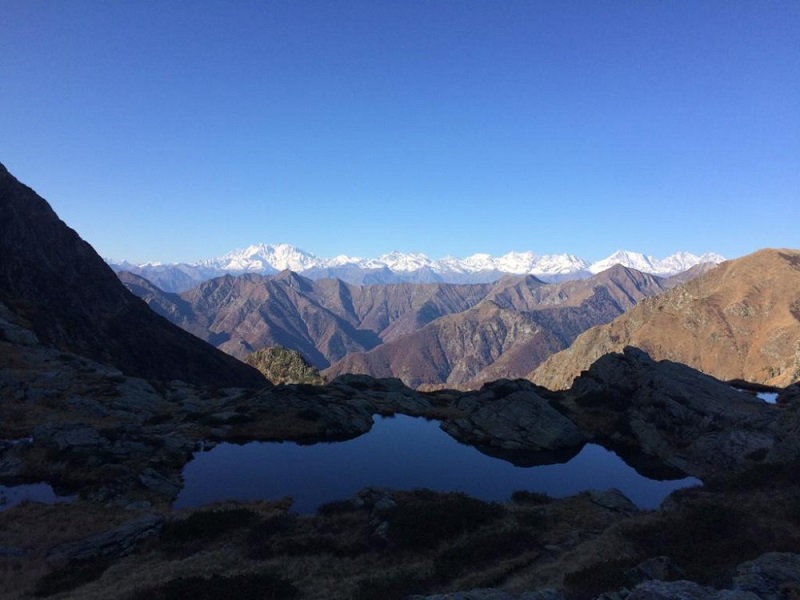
(55, 281)
(323, 320)
(740, 320)
(521, 322)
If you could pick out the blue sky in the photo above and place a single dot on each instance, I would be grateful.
(179, 130)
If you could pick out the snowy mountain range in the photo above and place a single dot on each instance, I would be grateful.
(397, 267)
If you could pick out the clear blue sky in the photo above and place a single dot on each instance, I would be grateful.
(178, 130)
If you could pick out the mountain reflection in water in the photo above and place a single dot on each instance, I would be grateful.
(402, 453)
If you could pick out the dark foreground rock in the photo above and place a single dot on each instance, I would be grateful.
(73, 301)
(686, 419)
(772, 576)
(114, 543)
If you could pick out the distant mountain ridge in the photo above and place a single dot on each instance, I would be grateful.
(398, 267)
(431, 334)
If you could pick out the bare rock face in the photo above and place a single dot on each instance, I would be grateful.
(740, 320)
(689, 420)
(521, 427)
(54, 281)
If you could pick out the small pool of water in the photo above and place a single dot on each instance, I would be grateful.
(35, 492)
(401, 453)
(768, 397)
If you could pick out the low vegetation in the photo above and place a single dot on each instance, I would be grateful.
(282, 366)
(428, 518)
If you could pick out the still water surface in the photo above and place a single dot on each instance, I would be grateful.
(32, 492)
(401, 453)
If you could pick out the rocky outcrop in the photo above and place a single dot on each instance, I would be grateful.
(520, 426)
(58, 285)
(740, 320)
(280, 365)
(772, 576)
(117, 542)
(688, 420)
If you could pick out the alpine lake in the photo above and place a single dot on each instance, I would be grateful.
(400, 452)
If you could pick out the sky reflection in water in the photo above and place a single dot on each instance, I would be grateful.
(34, 492)
(401, 453)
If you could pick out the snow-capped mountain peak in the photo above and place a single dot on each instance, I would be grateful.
(399, 266)
(675, 263)
(632, 260)
(399, 261)
(261, 257)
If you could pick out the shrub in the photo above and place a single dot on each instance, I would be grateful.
(480, 551)
(707, 539)
(69, 577)
(336, 507)
(424, 521)
(205, 525)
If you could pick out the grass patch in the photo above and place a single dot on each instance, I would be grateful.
(251, 586)
(477, 552)
(428, 518)
(184, 535)
(261, 537)
(593, 580)
(707, 540)
(69, 577)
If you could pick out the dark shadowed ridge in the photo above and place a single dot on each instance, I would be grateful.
(73, 301)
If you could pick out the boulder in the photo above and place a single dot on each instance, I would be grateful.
(658, 567)
(612, 499)
(69, 437)
(772, 576)
(155, 481)
(115, 542)
(520, 421)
